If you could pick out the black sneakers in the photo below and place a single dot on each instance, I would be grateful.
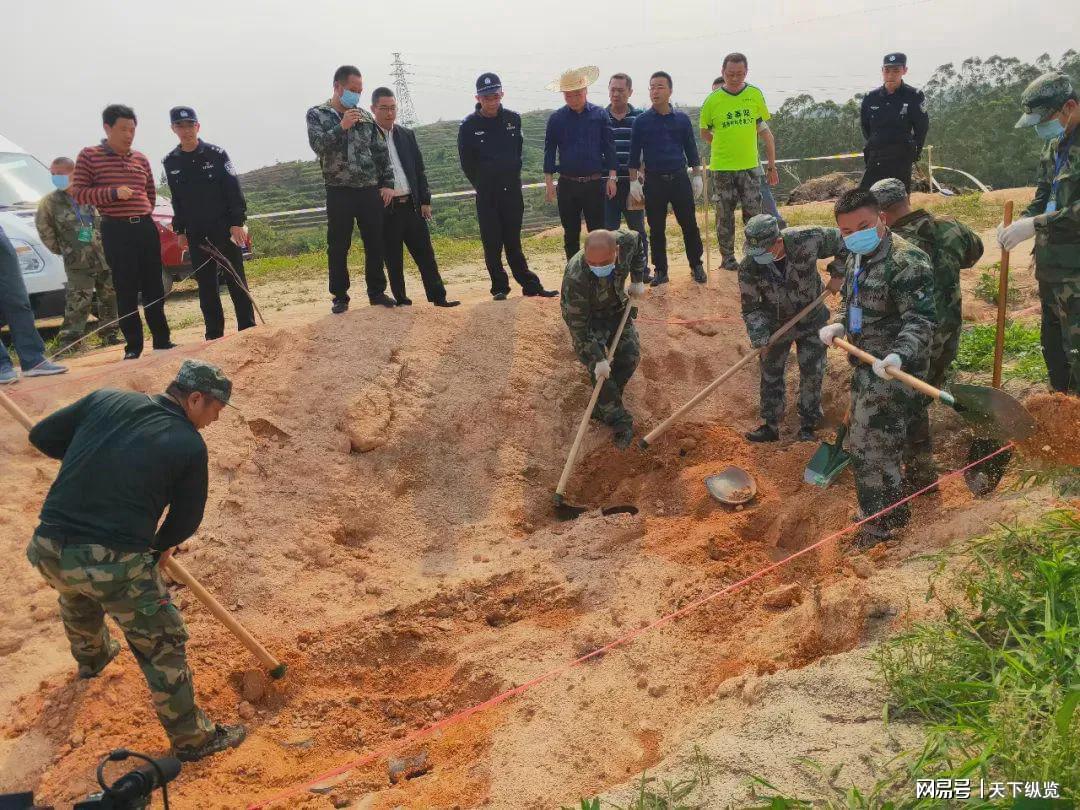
(340, 305)
(763, 433)
(382, 300)
(697, 272)
(499, 296)
(445, 303)
(224, 737)
(658, 279)
(541, 294)
(404, 302)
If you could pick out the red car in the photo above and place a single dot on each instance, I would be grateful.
(175, 262)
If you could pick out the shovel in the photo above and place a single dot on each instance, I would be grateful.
(993, 412)
(174, 569)
(563, 510)
(829, 460)
(708, 389)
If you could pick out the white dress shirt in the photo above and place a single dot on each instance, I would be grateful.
(401, 181)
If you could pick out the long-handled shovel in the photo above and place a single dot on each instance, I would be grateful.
(984, 478)
(708, 389)
(991, 410)
(564, 510)
(174, 569)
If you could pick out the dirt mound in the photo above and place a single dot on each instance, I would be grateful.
(1057, 429)
(827, 187)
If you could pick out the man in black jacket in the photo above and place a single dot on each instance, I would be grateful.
(208, 206)
(405, 221)
(894, 123)
(489, 148)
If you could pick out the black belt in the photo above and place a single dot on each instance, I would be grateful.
(580, 178)
(405, 199)
(126, 220)
(665, 175)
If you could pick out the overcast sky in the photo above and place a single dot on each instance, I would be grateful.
(251, 69)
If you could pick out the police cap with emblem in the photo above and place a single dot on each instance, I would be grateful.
(178, 114)
(487, 84)
(894, 60)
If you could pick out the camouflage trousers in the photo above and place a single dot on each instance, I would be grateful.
(881, 412)
(609, 405)
(93, 581)
(810, 352)
(1061, 333)
(729, 190)
(919, 467)
(83, 283)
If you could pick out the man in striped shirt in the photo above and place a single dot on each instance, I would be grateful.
(622, 113)
(119, 182)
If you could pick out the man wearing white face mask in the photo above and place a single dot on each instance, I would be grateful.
(593, 301)
(359, 179)
(1051, 106)
(888, 311)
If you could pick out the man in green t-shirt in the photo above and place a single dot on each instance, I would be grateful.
(729, 122)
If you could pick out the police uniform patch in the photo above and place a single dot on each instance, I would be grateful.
(230, 168)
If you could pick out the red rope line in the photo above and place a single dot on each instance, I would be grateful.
(551, 674)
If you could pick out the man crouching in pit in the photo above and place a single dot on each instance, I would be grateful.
(593, 301)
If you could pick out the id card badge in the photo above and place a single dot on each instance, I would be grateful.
(1051, 206)
(86, 235)
(855, 320)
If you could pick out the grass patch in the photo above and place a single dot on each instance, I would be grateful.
(651, 793)
(986, 288)
(1022, 356)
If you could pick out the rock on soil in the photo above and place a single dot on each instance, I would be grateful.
(401, 768)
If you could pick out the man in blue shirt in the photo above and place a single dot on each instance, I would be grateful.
(579, 145)
(666, 138)
(621, 114)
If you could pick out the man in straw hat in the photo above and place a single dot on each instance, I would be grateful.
(125, 457)
(579, 144)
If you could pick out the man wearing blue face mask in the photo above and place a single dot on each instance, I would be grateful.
(777, 278)
(593, 301)
(1051, 106)
(73, 232)
(888, 311)
(359, 179)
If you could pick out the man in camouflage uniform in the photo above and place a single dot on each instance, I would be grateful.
(125, 457)
(777, 278)
(359, 179)
(593, 302)
(888, 311)
(952, 246)
(1051, 105)
(73, 231)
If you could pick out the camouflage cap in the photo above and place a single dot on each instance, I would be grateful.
(198, 375)
(761, 232)
(889, 192)
(1043, 96)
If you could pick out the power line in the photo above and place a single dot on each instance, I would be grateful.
(401, 90)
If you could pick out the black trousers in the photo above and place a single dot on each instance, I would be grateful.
(499, 211)
(662, 190)
(403, 226)
(133, 251)
(893, 162)
(577, 199)
(208, 276)
(344, 206)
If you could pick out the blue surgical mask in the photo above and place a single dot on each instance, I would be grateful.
(764, 258)
(1048, 130)
(864, 241)
(349, 98)
(603, 271)
(61, 181)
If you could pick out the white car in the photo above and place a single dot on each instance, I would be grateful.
(23, 181)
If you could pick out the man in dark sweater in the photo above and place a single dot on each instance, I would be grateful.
(126, 457)
(489, 148)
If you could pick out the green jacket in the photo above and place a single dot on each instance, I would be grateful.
(1057, 234)
(952, 246)
(896, 293)
(58, 225)
(588, 301)
(126, 457)
(769, 299)
(357, 157)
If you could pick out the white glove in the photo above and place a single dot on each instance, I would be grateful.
(637, 191)
(827, 333)
(881, 367)
(602, 369)
(1009, 236)
(697, 184)
(636, 289)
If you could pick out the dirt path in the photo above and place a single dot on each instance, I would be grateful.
(380, 516)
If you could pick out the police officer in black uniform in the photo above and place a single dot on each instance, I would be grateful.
(489, 148)
(208, 204)
(894, 123)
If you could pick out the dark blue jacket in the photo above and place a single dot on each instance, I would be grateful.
(490, 149)
(584, 142)
(620, 129)
(667, 142)
(206, 194)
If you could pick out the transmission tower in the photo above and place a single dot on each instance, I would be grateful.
(406, 112)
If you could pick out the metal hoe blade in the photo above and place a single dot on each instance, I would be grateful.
(992, 411)
(732, 486)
